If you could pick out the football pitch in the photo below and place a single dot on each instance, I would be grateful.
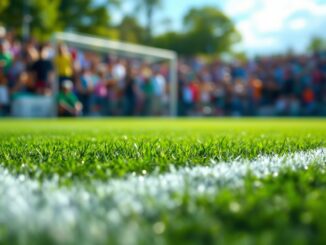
(163, 181)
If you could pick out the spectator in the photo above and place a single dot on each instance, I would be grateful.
(5, 57)
(130, 93)
(42, 72)
(2, 32)
(63, 63)
(85, 89)
(69, 105)
(159, 90)
(101, 95)
(148, 91)
(4, 94)
(187, 97)
(5, 64)
(308, 101)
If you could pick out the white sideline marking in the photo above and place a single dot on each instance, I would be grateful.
(76, 215)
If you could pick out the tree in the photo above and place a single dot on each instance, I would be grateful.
(206, 31)
(85, 17)
(149, 7)
(210, 30)
(317, 44)
(130, 30)
(48, 16)
(3, 5)
(172, 40)
(43, 13)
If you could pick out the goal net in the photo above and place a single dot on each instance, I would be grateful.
(120, 79)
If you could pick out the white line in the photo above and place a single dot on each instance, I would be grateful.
(76, 214)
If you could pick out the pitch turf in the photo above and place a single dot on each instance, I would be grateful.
(162, 181)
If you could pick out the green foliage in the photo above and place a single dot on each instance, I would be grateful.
(207, 31)
(130, 30)
(43, 16)
(317, 44)
(149, 7)
(211, 30)
(174, 41)
(85, 17)
(48, 16)
(3, 4)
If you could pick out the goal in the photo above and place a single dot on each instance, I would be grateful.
(127, 50)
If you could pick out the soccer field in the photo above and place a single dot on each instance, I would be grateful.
(163, 181)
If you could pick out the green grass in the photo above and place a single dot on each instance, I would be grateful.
(288, 209)
(92, 149)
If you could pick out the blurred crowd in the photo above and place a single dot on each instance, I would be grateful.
(291, 85)
(87, 83)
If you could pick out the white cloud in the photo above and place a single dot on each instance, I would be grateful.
(266, 25)
(297, 24)
(235, 8)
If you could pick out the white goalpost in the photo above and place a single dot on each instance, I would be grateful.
(127, 50)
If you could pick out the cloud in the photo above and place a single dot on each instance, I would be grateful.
(297, 24)
(235, 8)
(269, 26)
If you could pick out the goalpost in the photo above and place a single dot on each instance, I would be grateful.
(127, 50)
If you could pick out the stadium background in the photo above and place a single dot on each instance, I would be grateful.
(162, 180)
(214, 78)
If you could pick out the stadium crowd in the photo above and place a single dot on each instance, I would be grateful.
(94, 84)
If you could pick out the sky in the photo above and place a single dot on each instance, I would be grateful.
(266, 26)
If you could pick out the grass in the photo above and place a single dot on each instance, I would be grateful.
(87, 150)
(287, 209)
